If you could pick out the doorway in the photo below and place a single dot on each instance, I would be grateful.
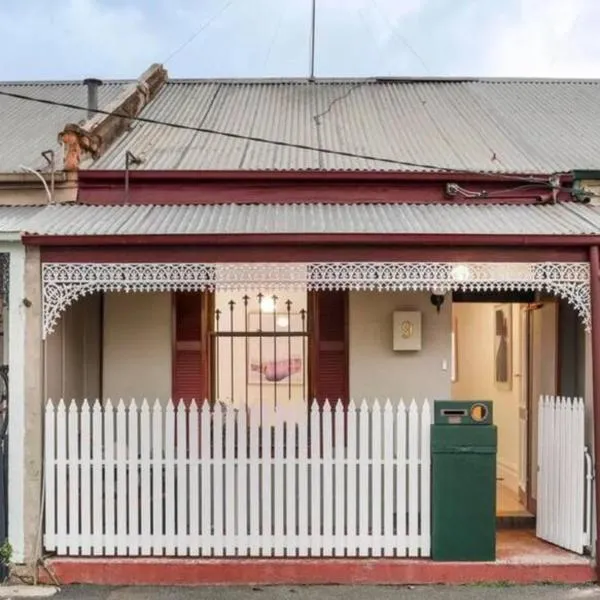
(507, 352)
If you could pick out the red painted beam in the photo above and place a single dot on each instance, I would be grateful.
(308, 253)
(165, 571)
(333, 239)
(89, 176)
(285, 187)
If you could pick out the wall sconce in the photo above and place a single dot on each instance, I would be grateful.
(437, 299)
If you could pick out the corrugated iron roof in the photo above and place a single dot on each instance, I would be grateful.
(492, 125)
(75, 220)
(28, 128)
(13, 219)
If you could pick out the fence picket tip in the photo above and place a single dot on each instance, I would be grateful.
(388, 405)
(61, 405)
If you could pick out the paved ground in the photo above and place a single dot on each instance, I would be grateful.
(334, 593)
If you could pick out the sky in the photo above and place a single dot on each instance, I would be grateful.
(113, 39)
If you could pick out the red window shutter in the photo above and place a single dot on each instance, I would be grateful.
(190, 346)
(329, 343)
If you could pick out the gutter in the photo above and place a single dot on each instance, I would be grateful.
(300, 239)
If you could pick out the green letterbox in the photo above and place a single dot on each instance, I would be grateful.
(463, 485)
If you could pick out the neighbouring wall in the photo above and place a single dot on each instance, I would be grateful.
(33, 405)
(377, 371)
(137, 348)
(474, 324)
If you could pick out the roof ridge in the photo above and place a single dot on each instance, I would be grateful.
(377, 80)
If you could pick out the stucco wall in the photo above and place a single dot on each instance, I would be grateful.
(137, 346)
(376, 371)
(475, 368)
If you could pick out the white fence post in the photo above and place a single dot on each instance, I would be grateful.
(133, 479)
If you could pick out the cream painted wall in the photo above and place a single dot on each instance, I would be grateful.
(475, 369)
(376, 371)
(24, 189)
(137, 346)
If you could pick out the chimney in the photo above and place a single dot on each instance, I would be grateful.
(93, 137)
(92, 95)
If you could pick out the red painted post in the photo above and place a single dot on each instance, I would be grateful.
(595, 299)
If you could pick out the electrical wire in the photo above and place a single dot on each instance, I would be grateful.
(397, 34)
(281, 143)
(204, 26)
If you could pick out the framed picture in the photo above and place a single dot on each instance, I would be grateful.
(276, 360)
(454, 352)
(503, 346)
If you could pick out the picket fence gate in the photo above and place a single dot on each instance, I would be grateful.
(149, 479)
(564, 484)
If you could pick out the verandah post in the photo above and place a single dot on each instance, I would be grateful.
(595, 310)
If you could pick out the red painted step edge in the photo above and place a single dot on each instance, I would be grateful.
(305, 572)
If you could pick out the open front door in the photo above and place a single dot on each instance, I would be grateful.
(524, 400)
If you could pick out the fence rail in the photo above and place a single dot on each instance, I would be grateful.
(147, 479)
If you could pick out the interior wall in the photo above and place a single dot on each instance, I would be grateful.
(72, 353)
(236, 357)
(137, 348)
(475, 334)
(376, 370)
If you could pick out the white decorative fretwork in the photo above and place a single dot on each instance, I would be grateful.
(63, 283)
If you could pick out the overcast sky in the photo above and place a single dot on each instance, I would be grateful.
(72, 39)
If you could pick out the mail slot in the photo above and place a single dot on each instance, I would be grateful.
(476, 412)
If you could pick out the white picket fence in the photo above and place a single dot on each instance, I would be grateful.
(142, 479)
(564, 487)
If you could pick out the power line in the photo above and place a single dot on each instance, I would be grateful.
(396, 33)
(204, 26)
(280, 143)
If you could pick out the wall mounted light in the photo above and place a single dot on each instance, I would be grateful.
(437, 298)
(461, 273)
